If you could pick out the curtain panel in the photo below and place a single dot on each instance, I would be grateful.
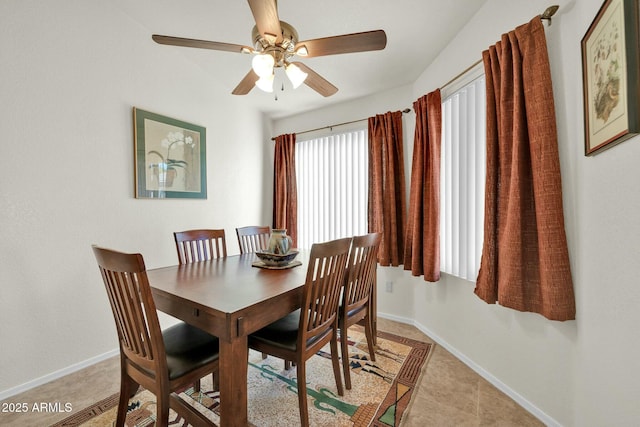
(387, 210)
(422, 238)
(525, 261)
(285, 193)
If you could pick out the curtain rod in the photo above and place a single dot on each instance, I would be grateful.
(546, 15)
(460, 74)
(406, 110)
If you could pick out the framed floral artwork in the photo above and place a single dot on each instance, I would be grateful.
(170, 157)
(611, 76)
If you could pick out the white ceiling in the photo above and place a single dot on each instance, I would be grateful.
(417, 30)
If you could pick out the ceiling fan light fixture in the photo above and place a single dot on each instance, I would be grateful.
(265, 83)
(295, 75)
(263, 64)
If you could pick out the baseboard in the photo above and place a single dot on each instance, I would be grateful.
(528, 406)
(56, 375)
(398, 319)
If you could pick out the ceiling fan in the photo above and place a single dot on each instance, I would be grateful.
(276, 44)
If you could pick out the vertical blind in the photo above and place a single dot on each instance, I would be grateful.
(332, 175)
(462, 180)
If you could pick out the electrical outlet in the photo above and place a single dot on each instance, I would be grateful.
(389, 286)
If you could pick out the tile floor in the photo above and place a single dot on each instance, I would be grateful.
(448, 394)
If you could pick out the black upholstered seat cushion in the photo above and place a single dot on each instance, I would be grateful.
(281, 333)
(188, 348)
(350, 314)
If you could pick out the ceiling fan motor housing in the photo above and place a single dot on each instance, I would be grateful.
(282, 51)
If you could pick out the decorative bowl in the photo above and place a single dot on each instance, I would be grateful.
(276, 260)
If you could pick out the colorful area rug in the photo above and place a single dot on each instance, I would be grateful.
(380, 392)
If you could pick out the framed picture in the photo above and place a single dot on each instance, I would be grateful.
(170, 157)
(611, 76)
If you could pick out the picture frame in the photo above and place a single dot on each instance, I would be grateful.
(170, 157)
(610, 75)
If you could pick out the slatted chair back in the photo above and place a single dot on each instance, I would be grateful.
(253, 238)
(134, 312)
(356, 304)
(361, 270)
(200, 245)
(323, 285)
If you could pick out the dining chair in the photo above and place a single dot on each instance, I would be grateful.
(162, 362)
(356, 295)
(302, 333)
(253, 238)
(200, 245)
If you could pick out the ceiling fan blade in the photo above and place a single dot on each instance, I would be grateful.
(265, 13)
(246, 84)
(347, 43)
(316, 82)
(201, 44)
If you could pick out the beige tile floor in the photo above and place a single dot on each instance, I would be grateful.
(448, 394)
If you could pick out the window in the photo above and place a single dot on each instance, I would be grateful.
(463, 176)
(332, 180)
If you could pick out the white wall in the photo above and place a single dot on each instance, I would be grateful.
(576, 373)
(71, 72)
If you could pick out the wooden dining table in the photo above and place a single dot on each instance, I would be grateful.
(229, 298)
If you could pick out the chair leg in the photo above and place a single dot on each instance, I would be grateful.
(344, 344)
(302, 394)
(162, 410)
(132, 387)
(216, 381)
(126, 386)
(336, 362)
(196, 386)
(368, 331)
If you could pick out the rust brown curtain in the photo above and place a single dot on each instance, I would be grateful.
(525, 261)
(285, 195)
(387, 210)
(422, 238)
